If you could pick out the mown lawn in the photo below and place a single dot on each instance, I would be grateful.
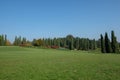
(17, 63)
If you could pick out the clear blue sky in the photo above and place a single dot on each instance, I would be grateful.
(57, 18)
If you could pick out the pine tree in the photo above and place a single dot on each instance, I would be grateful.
(102, 44)
(58, 42)
(5, 39)
(24, 41)
(2, 40)
(64, 42)
(15, 41)
(19, 40)
(77, 43)
(85, 45)
(94, 44)
(88, 44)
(113, 42)
(49, 42)
(70, 42)
(107, 44)
(98, 42)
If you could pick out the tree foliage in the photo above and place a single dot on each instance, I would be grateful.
(69, 42)
(114, 42)
(3, 40)
(102, 44)
(109, 46)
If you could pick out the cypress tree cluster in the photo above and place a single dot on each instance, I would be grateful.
(3, 40)
(19, 41)
(107, 46)
(69, 42)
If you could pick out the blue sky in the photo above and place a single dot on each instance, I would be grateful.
(57, 18)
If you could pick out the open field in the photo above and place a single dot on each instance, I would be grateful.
(17, 63)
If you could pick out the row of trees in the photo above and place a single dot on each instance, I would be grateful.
(4, 41)
(108, 46)
(19, 41)
(68, 42)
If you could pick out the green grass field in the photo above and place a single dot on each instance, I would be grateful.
(17, 63)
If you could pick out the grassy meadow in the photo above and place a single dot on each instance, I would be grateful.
(18, 63)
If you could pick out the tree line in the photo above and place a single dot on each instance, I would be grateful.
(69, 42)
(21, 41)
(4, 41)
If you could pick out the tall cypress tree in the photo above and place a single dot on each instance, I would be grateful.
(23, 40)
(58, 42)
(107, 44)
(19, 40)
(113, 42)
(98, 42)
(70, 42)
(102, 44)
(64, 42)
(76, 43)
(2, 40)
(87, 41)
(94, 44)
(5, 39)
